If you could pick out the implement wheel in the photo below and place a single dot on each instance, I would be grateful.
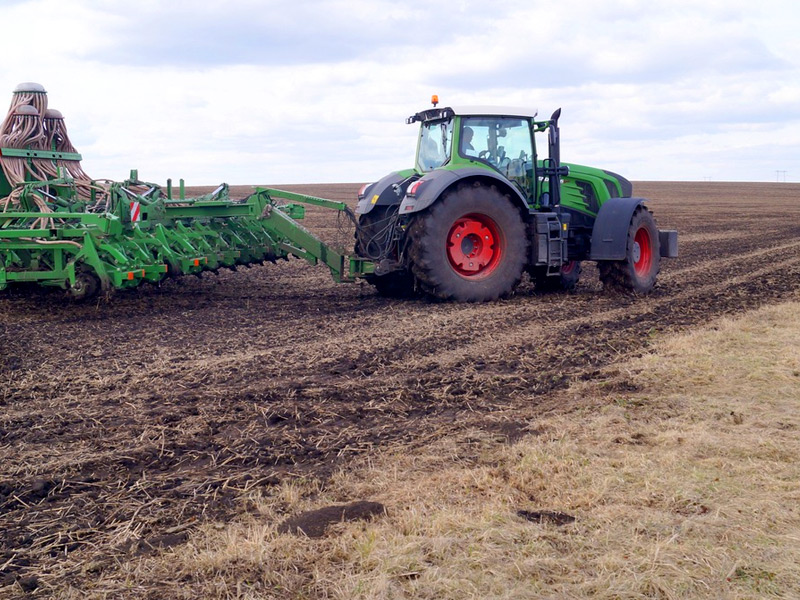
(638, 272)
(470, 246)
(86, 286)
(374, 240)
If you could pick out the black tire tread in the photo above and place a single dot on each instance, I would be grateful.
(427, 264)
(619, 275)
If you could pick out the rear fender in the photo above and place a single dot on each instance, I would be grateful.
(383, 192)
(610, 231)
(433, 184)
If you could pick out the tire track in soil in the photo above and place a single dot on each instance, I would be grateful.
(611, 330)
(122, 449)
(682, 300)
(603, 320)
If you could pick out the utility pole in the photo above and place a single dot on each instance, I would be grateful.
(779, 175)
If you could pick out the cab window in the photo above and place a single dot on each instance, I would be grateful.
(502, 142)
(434, 144)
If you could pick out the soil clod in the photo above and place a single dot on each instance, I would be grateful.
(546, 516)
(28, 584)
(314, 523)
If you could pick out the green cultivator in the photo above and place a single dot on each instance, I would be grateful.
(58, 227)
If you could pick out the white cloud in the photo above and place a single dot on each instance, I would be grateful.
(280, 92)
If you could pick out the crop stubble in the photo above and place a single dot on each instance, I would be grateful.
(122, 423)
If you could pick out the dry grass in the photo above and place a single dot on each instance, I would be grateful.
(680, 468)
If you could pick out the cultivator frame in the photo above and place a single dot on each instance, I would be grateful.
(59, 227)
(147, 236)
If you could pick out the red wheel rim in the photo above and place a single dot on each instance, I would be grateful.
(568, 267)
(474, 246)
(642, 252)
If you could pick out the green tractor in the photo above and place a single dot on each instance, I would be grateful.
(480, 208)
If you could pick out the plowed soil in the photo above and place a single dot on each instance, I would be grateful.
(126, 421)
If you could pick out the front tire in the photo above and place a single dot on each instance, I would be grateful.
(638, 271)
(470, 246)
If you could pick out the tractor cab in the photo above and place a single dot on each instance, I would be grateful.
(497, 139)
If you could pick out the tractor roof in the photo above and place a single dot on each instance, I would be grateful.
(495, 111)
(445, 112)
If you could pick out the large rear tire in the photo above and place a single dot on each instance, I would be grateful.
(638, 271)
(470, 246)
(373, 241)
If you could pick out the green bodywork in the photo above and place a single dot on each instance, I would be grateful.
(171, 236)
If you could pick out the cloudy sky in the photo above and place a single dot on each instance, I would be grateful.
(294, 91)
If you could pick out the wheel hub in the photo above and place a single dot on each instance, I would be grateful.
(473, 246)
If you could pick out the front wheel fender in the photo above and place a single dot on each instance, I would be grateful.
(610, 231)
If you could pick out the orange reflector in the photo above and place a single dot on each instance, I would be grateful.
(130, 275)
(142, 272)
(166, 268)
(196, 262)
